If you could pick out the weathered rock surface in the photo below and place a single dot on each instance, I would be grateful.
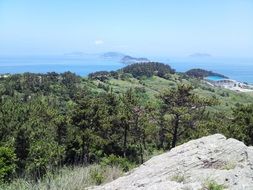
(193, 165)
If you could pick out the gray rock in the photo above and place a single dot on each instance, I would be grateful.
(191, 166)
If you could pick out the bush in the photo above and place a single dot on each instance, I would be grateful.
(97, 176)
(113, 160)
(7, 164)
(126, 76)
(212, 185)
(100, 75)
(43, 158)
(180, 178)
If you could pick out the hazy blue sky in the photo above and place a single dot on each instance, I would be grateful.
(145, 27)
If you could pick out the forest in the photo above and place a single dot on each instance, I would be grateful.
(52, 121)
(201, 73)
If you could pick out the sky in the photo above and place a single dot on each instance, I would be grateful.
(140, 27)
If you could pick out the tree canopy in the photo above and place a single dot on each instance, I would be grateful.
(148, 69)
(48, 121)
(201, 73)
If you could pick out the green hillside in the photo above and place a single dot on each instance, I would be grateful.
(52, 123)
(154, 85)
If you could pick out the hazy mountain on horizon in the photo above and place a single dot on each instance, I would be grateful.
(200, 55)
(113, 55)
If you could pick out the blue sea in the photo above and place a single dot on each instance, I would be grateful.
(240, 69)
(41, 64)
(214, 78)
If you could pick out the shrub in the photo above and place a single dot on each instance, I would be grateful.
(180, 178)
(100, 75)
(97, 176)
(213, 185)
(7, 164)
(43, 158)
(113, 160)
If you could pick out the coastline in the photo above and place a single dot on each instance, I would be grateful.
(239, 71)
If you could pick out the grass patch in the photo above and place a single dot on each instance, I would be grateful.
(180, 178)
(69, 178)
(229, 165)
(213, 185)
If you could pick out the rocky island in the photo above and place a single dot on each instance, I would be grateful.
(130, 60)
(123, 58)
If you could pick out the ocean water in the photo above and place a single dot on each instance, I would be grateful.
(234, 68)
(240, 69)
(214, 78)
(80, 66)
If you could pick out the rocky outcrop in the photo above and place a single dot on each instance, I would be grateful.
(193, 165)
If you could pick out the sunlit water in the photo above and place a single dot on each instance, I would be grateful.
(214, 78)
(238, 69)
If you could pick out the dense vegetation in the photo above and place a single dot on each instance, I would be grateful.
(201, 73)
(148, 69)
(103, 75)
(51, 121)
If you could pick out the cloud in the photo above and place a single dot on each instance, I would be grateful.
(99, 42)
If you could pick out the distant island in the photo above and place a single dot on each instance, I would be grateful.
(113, 55)
(87, 124)
(200, 55)
(123, 58)
(130, 60)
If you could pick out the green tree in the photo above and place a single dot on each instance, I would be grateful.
(91, 121)
(44, 156)
(242, 124)
(134, 121)
(61, 129)
(183, 110)
(128, 101)
(7, 163)
(22, 145)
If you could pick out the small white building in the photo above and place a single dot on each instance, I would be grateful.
(4, 75)
(232, 85)
(226, 83)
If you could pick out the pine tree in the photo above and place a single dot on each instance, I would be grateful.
(22, 145)
(184, 109)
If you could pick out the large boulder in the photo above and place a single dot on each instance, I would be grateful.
(212, 160)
